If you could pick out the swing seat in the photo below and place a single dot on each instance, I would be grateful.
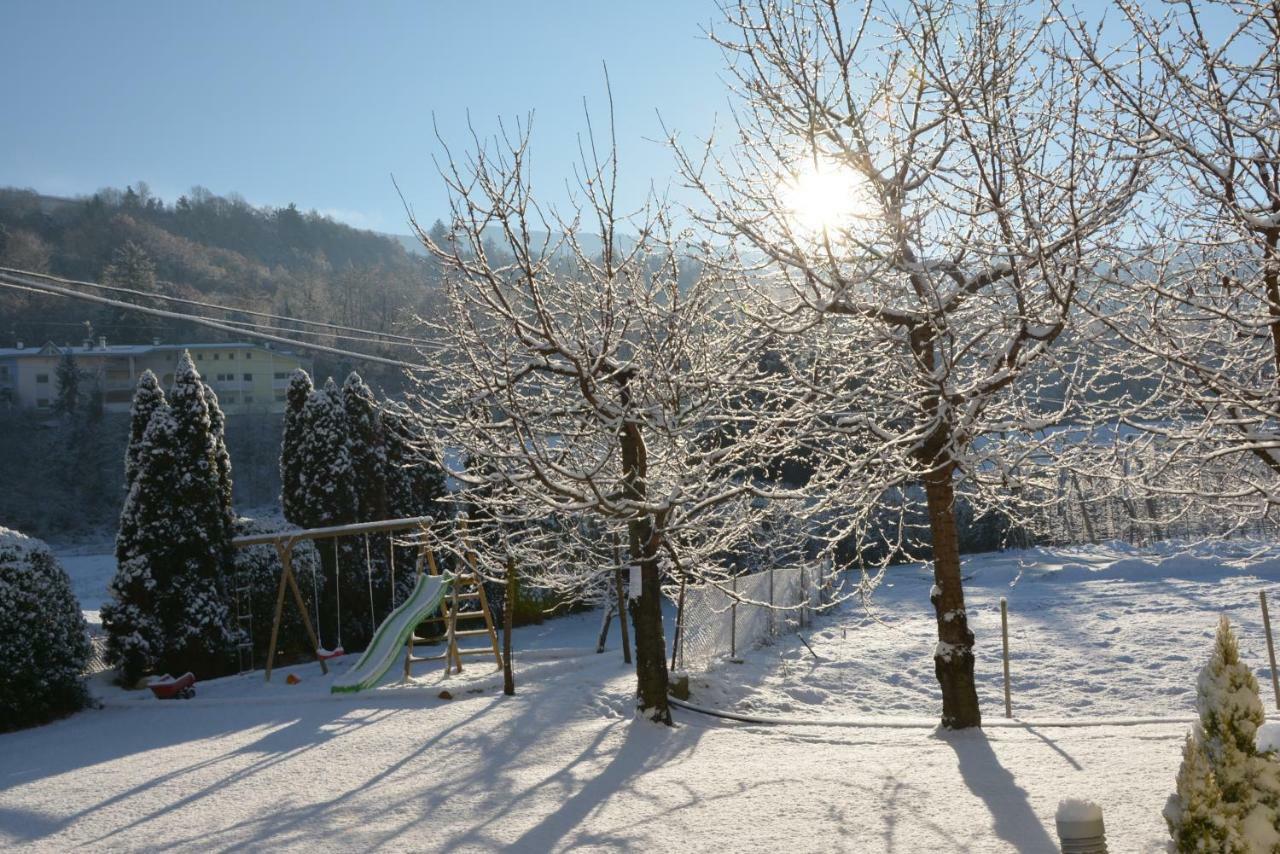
(326, 654)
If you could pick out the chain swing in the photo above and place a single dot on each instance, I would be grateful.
(322, 653)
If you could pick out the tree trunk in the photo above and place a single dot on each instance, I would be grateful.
(646, 618)
(646, 609)
(508, 614)
(953, 656)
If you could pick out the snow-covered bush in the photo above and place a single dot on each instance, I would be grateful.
(1228, 790)
(44, 643)
(258, 569)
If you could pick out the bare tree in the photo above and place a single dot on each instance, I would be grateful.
(1199, 294)
(593, 373)
(919, 191)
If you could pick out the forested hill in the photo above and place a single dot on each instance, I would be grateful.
(201, 245)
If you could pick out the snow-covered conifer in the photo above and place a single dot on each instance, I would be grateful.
(197, 538)
(146, 399)
(1194, 812)
(135, 638)
(1230, 714)
(327, 497)
(44, 643)
(218, 428)
(415, 480)
(368, 453)
(168, 611)
(325, 474)
(296, 397)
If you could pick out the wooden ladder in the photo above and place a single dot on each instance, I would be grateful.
(465, 588)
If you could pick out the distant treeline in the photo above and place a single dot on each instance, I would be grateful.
(279, 260)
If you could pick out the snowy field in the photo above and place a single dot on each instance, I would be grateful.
(1097, 635)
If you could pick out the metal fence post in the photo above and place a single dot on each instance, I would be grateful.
(733, 621)
(773, 628)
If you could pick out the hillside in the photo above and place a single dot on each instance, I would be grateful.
(222, 249)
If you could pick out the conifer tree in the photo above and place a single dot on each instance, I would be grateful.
(325, 473)
(197, 541)
(135, 637)
(415, 480)
(218, 427)
(368, 453)
(327, 497)
(146, 399)
(1242, 797)
(1194, 812)
(295, 431)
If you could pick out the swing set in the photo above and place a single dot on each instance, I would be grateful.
(464, 586)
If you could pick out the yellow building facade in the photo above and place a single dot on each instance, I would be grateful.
(247, 377)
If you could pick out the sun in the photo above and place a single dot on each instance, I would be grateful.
(827, 200)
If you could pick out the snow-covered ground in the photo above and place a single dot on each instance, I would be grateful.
(1096, 634)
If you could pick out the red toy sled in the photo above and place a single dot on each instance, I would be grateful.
(167, 688)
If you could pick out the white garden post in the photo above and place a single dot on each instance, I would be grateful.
(1080, 827)
(1004, 637)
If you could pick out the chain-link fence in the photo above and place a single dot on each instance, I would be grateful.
(727, 620)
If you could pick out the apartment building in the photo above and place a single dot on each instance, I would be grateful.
(247, 377)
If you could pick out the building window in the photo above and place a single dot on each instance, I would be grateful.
(168, 379)
(230, 356)
(230, 397)
(42, 378)
(248, 398)
(282, 375)
(4, 372)
(279, 395)
(248, 355)
(248, 378)
(199, 357)
(215, 357)
(42, 403)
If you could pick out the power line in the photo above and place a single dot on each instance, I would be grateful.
(19, 283)
(203, 304)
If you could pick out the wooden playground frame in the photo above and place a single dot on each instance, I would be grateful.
(284, 541)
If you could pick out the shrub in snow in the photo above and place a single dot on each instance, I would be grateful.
(258, 569)
(1228, 789)
(1194, 813)
(44, 643)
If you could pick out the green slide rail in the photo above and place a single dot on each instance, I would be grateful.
(388, 641)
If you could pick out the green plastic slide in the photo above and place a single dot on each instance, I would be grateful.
(388, 641)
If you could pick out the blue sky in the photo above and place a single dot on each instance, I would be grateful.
(318, 103)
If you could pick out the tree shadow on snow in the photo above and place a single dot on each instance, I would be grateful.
(1012, 818)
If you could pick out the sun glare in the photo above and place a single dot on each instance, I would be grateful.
(832, 199)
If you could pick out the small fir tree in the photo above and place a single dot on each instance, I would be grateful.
(1245, 790)
(1194, 812)
(295, 431)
